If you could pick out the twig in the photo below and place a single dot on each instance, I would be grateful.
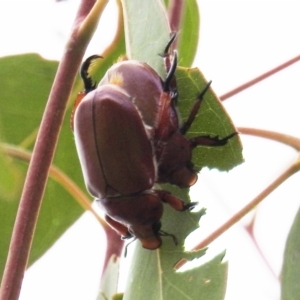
(259, 78)
(239, 215)
(286, 139)
(59, 176)
(43, 152)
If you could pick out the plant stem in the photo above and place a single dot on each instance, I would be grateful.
(59, 176)
(176, 11)
(176, 8)
(259, 78)
(42, 156)
(295, 167)
(272, 135)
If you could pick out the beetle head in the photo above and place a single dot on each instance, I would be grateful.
(174, 165)
(148, 234)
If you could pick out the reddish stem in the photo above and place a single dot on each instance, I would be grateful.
(286, 139)
(176, 9)
(259, 78)
(114, 245)
(175, 14)
(240, 214)
(41, 160)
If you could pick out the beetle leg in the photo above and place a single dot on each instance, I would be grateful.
(126, 246)
(187, 124)
(163, 233)
(191, 205)
(169, 85)
(174, 201)
(121, 229)
(166, 53)
(88, 82)
(206, 140)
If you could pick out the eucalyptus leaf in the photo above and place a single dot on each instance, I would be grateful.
(147, 32)
(290, 289)
(27, 80)
(188, 37)
(109, 280)
(212, 119)
(152, 272)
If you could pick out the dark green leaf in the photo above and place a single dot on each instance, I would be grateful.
(212, 120)
(189, 33)
(10, 178)
(28, 79)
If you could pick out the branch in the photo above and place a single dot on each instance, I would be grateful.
(259, 78)
(286, 139)
(59, 176)
(239, 215)
(44, 149)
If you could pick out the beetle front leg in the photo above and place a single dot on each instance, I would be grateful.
(166, 53)
(175, 202)
(206, 140)
(187, 124)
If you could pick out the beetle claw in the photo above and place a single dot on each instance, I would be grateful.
(126, 237)
(170, 75)
(190, 206)
(167, 48)
(88, 82)
(126, 246)
(163, 233)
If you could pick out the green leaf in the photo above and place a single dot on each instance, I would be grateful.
(188, 36)
(118, 296)
(188, 33)
(28, 79)
(109, 280)
(152, 272)
(147, 32)
(212, 119)
(290, 289)
(10, 178)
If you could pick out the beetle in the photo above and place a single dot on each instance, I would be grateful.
(156, 100)
(128, 137)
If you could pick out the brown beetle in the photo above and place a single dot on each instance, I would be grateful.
(128, 137)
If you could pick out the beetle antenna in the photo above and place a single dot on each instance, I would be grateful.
(126, 246)
(163, 233)
(88, 82)
(170, 75)
(187, 124)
